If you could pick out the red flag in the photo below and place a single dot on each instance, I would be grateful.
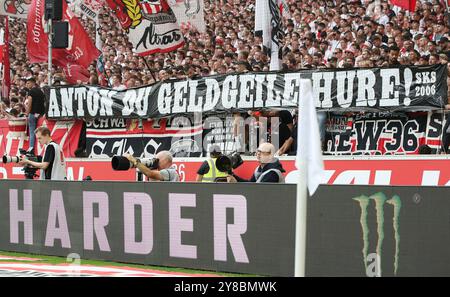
(4, 61)
(405, 4)
(74, 59)
(120, 11)
(66, 133)
(76, 74)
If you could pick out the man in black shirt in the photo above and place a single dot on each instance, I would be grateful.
(35, 108)
(285, 125)
(49, 157)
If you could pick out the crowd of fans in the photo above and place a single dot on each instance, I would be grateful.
(318, 34)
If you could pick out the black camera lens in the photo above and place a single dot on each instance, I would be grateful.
(120, 163)
(10, 159)
(223, 163)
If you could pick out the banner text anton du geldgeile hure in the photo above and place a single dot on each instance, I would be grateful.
(374, 89)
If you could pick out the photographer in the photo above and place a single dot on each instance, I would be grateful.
(164, 170)
(53, 165)
(208, 171)
(269, 170)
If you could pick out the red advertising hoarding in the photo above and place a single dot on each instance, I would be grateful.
(411, 171)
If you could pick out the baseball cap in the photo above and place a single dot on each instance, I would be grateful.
(215, 149)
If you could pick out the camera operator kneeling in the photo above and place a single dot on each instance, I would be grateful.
(165, 170)
(53, 165)
(269, 170)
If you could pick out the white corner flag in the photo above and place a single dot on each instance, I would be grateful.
(309, 151)
(309, 162)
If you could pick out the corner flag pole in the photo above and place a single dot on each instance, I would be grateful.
(300, 222)
(309, 162)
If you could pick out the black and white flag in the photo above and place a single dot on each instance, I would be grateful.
(268, 25)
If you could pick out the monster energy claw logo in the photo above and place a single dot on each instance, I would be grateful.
(380, 199)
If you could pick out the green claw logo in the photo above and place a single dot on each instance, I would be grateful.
(380, 200)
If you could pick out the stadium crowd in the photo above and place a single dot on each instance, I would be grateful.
(319, 34)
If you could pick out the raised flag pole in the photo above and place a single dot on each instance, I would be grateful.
(2, 50)
(149, 69)
(50, 40)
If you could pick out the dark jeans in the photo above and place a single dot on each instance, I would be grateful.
(32, 122)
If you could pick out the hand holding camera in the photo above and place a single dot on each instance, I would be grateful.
(24, 160)
(132, 159)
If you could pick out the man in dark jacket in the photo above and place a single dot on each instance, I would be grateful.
(269, 170)
(35, 109)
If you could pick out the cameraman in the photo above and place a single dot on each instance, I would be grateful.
(208, 171)
(269, 170)
(53, 165)
(165, 171)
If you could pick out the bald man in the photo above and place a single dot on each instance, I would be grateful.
(269, 170)
(166, 171)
